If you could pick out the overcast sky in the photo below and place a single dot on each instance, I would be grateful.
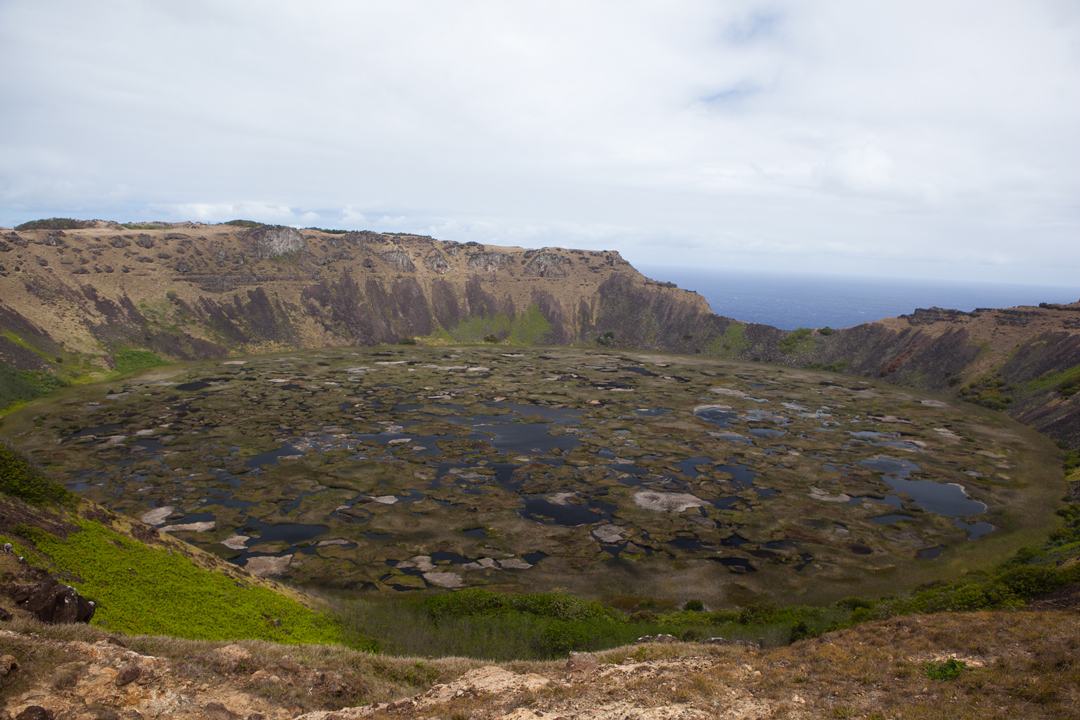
(920, 139)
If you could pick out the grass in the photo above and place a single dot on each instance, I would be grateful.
(22, 479)
(127, 360)
(146, 589)
(796, 341)
(730, 343)
(528, 328)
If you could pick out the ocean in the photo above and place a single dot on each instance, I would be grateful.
(793, 301)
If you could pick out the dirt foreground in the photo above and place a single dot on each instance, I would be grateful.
(1008, 665)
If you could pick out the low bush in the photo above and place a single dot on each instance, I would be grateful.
(130, 360)
(22, 479)
(53, 224)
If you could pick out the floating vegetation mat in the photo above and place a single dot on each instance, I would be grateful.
(604, 473)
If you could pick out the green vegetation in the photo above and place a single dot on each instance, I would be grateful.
(53, 224)
(535, 626)
(829, 367)
(25, 385)
(796, 341)
(990, 391)
(606, 339)
(1070, 387)
(142, 589)
(948, 670)
(329, 231)
(528, 328)
(826, 330)
(145, 226)
(22, 479)
(130, 360)
(243, 223)
(729, 343)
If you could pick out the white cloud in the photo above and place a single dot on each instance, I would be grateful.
(808, 134)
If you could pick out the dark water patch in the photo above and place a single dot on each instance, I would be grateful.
(571, 514)
(271, 457)
(533, 557)
(778, 545)
(765, 415)
(611, 385)
(443, 557)
(192, 386)
(929, 553)
(524, 438)
(891, 518)
(684, 542)
(107, 429)
(687, 466)
(378, 536)
(146, 444)
(939, 498)
(872, 435)
(767, 432)
(638, 370)
(974, 530)
(481, 533)
(735, 564)
(742, 474)
(766, 492)
(734, 540)
(722, 418)
(804, 560)
(652, 412)
(900, 445)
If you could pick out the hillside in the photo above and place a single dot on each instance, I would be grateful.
(194, 291)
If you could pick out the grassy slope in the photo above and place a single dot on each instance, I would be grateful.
(143, 581)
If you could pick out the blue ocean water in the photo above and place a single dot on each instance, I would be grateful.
(793, 301)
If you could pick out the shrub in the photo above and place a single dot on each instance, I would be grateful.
(1069, 387)
(407, 341)
(948, 670)
(129, 360)
(22, 479)
(53, 224)
(694, 606)
(1030, 581)
(796, 341)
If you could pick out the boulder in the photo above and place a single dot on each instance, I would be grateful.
(51, 601)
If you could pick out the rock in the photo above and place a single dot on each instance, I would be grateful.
(581, 664)
(444, 579)
(35, 712)
(267, 565)
(51, 601)
(157, 515)
(217, 711)
(5, 616)
(127, 675)
(663, 638)
(231, 657)
(8, 665)
(668, 501)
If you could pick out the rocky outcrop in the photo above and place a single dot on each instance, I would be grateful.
(45, 598)
(272, 240)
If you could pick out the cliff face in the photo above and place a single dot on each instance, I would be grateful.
(1019, 360)
(196, 291)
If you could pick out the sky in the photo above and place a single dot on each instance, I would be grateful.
(910, 139)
